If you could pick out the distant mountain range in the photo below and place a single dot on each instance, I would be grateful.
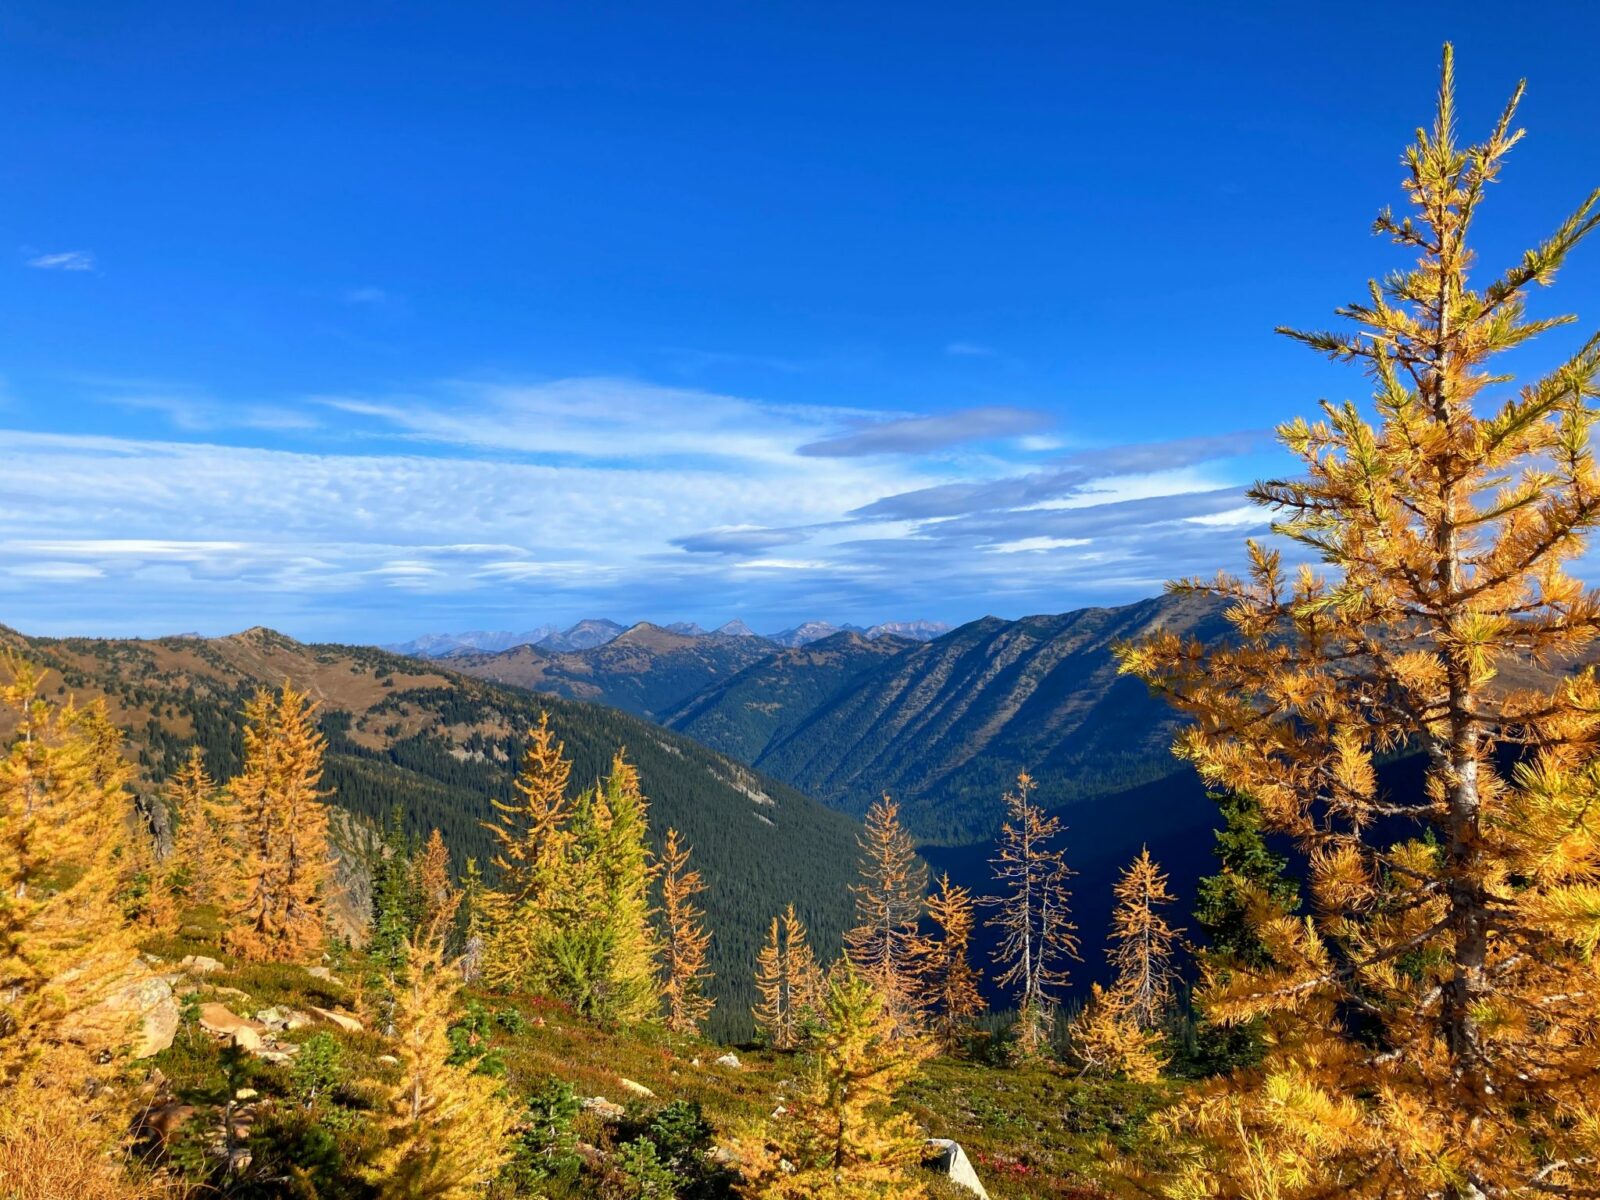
(943, 724)
(588, 634)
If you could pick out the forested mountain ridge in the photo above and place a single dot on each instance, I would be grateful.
(744, 715)
(437, 746)
(644, 670)
(945, 725)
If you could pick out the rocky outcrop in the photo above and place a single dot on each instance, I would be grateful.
(137, 1009)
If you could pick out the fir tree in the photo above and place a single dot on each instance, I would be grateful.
(685, 941)
(889, 903)
(1032, 914)
(946, 976)
(847, 1142)
(284, 832)
(789, 983)
(1229, 906)
(1143, 945)
(1433, 1025)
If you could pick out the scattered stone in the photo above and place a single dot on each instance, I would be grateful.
(199, 964)
(606, 1110)
(278, 1056)
(231, 993)
(388, 1060)
(323, 974)
(729, 1060)
(343, 1020)
(954, 1163)
(638, 1089)
(246, 1094)
(138, 1010)
(281, 1018)
(223, 1022)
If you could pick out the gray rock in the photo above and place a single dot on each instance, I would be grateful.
(730, 1060)
(954, 1163)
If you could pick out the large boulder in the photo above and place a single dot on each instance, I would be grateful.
(954, 1163)
(136, 1009)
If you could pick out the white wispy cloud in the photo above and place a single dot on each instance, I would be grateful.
(552, 500)
(64, 260)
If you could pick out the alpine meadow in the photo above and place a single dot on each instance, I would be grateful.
(992, 793)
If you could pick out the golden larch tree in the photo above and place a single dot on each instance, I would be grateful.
(1032, 913)
(1433, 1025)
(947, 979)
(789, 983)
(684, 941)
(617, 848)
(889, 903)
(203, 866)
(842, 1137)
(1108, 1040)
(283, 824)
(437, 897)
(533, 843)
(1143, 946)
(446, 1131)
(66, 944)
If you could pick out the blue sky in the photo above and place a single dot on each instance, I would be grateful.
(361, 321)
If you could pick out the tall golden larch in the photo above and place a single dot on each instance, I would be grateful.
(1432, 1023)
(1032, 913)
(684, 941)
(533, 845)
(437, 897)
(1143, 946)
(889, 902)
(946, 977)
(65, 944)
(843, 1139)
(203, 866)
(446, 1131)
(789, 983)
(619, 851)
(283, 830)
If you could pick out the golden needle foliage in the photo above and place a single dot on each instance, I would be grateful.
(446, 1130)
(1037, 935)
(889, 902)
(203, 861)
(1108, 1040)
(844, 1140)
(1143, 944)
(947, 978)
(65, 944)
(683, 949)
(283, 832)
(1433, 1025)
(789, 983)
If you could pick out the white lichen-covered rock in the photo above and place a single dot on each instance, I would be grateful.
(954, 1163)
(731, 1061)
(137, 1010)
(343, 1020)
(199, 964)
(606, 1110)
(638, 1089)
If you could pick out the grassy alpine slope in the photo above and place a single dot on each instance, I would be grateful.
(435, 746)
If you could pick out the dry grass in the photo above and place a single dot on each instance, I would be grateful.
(56, 1154)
